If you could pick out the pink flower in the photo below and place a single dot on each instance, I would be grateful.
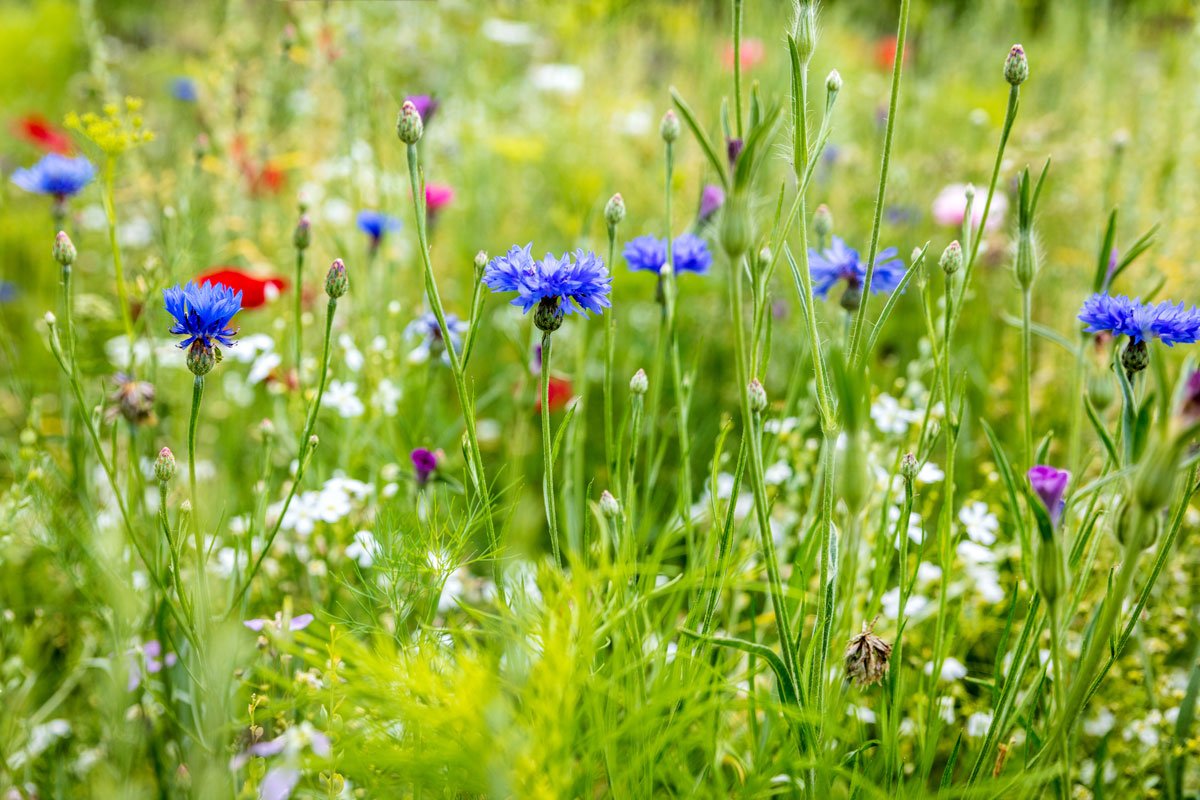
(950, 206)
(753, 53)
(437, 197)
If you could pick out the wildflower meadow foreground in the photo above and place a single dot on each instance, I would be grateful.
(573, 400)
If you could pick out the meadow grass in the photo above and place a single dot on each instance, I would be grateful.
(821, 451)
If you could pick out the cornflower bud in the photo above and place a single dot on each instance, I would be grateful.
(1016, 66)
(823, 222)
(64, 249)
(614, 210)
(164, 465)
(804, 29)
(833, 83)
(481, 260)
(909, 468)
(639, 383)
(409, 126)
(609, 506)
(952, 258)
(336, 282)
(302, 236)
(758, 396)
(669, 127)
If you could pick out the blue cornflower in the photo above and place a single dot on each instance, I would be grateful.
(184, 89)
(57, 175)
(1167, 322)
(202, 313)
(375, 224)
(556, 285)
(426, 328)
(649, 254)
(839, 262)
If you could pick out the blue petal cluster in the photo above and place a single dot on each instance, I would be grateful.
(838, 262)
(580, 283)
(375, 224)
(184, 89)
(649, 254)
(1168, 322)
(55, 174)
(202, 313)
(426, 329)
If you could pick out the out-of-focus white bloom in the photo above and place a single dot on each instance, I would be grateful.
(364, 549)
(978, 724)
(136, 232)
(781, 426)
(1100, 723)
(864, 715)
(946, 708)
(637, 122)
(337, 211)
(352, 357)
(1144, 730)
(930, 473)
(974, 554)
(342, 397)
(564, 79)
(41, 737)
(891, 604)
(387, 398)
(503, 31)
(777, 473)
(262, 367)
(952, 669)
(928, 573)
(230, 561)
(250, 347)
(916, 534)
(890, 417)
(981, 524)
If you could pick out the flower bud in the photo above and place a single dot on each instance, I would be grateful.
(267, 428)
(1016, 66)
(1100, 389)
(313, 441)
(823, 221)
(833, 83)
(952, 258)
(164, 465)
(614, 210)
(336, 282)
(1155, 478)
(1135, 358)
(549, 315)
(736, 233)
(1049, 568)
(185, 507)
(302, 236)
(758, 396)
(853, 483)
(64, 249)
(409, 126)
(609, 506)
(851, 298)
(639, 384)
(1026, 265)
(804, 29)
(909, 468)
(669, 127)
(50, 319)
(201, 359)
(481, 260)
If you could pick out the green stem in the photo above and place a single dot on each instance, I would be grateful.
(110, 212)
(548, 452)
(299, 313)
(197, 394)
(610, 338)
(880, 197)
(737, 64)
(1026, 375)
(1056, 657)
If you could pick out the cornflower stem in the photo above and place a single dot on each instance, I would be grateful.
(897, 683)
(610, 339)
(737, 64)
(1054, 619)
(1026, 377)
(69, 419)
(110, 213)
(670, 296)
(1010, 117)
(202, 578)
(303, 455)
(889, 131)
(298, 339)
(826, 609)
(456, 364)
(637, 404)
(548, 453)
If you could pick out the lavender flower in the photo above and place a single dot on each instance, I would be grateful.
(426, 328)
(838, 262)
(712, 197)
(1191, 398)
(1167, 322)
(280, 780)
(1049, 483)
(424, 464)
(297, 623)
(153, 659)
(56, 175)
(375, 224)
(649, 254)
(556, 285)
(202, 313)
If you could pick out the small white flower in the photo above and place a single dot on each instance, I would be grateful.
(364, 549)
(952, 669)
(928, 573)
(1100, 723)
(981, 524)
(889, 416)
(343, 398)
(974, 554)
(864, 715)
(978, 724)
(505, 32)
(777, 473)
(564, 79)
(1144, 730)
(891, 604)
(351, 356)
(387, 398)
(263, 366)
(946, 708)
(915, 533)
(930, 473)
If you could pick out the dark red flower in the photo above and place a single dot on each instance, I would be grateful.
(38, 131)
(255, 291)
(561, 393)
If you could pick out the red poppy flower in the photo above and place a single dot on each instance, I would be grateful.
(255, 291)
(753, 53)
(885, 52)
(38, 131)
(560, 394)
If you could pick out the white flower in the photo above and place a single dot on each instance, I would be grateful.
(930, 473)
(230, 561)
(978, 724)
(891, 604)
(946, 709)
(974, 554)
(354, 488)
(928, 573)
(1100, 723)
(952, 669)
(263, 366)
(250, 347)
(137, 232)
(387, 397)
(981, 524)
(986, 582)
(343, 398)
(915, 533)
(777, 473)
(1144, 730)
(565, 79)
(331, 505)
(337, 211)
(888, 415)
(351, 356)
(503, 31)
(864, 715)
(364, 549)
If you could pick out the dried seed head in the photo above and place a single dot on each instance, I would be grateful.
(867, 657)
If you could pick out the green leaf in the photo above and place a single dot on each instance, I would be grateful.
(787, 689)
(1110, 238)
(685, 111)
(892, 300)
(948, 772)
(1101, 431)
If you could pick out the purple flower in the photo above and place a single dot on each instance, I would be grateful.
(733, 149)
(375, 224)
(1167, 322)
(579, 284)
(1191, 398)
(426, 106)
(203, 313)
(649, 254)
(297, 623)
(1049, 483)
(281, 779)
(712, 197)
(424, 464)
(840, 263)
(153, 659)
(56, 175)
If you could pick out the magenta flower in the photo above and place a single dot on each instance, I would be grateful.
(425, 104)
(424, 464)
(1050, 483)
(950, 206)
(712, 197)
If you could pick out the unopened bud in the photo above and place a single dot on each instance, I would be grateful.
(164, 465)
(639, 383)
(758, 396)
(833, 83)
(952, 258)
(302, 236)
(267, 429)
(609, 506)
(409, 126)
(336, 282)
(804, 29)
(614, 210)
(185, 507)
(50, 319)
(669, 127)
(481, 260)
(1016, 66)
(823, 221)
(1026, 265)
(909, 468)
(64, 249)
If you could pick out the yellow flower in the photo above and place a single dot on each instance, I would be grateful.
(116, 131)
